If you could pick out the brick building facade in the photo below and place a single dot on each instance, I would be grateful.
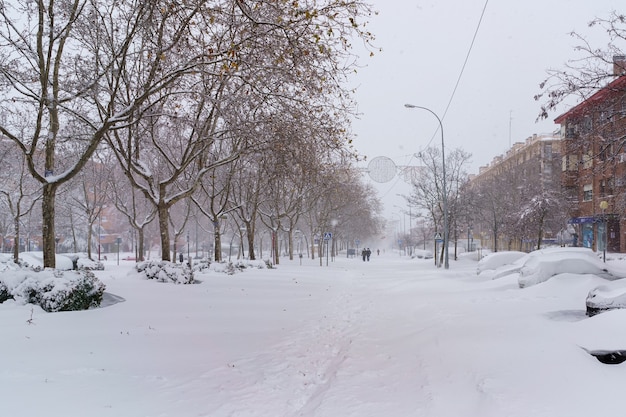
(593, 167)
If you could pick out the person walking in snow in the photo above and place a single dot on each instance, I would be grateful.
(364, 254)
(368, 253)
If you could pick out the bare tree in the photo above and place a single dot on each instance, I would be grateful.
(18, 193)
(65, 71)
(587, 73)
(427, 189)
(138, 211)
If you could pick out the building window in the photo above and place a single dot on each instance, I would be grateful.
(569, 163)
(547, 168)
(547, 150)
(587, 160)
(587, 124)
(606, 187)
(587, 192)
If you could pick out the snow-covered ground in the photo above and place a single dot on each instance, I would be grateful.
(390, 337)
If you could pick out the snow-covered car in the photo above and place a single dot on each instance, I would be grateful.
(497, 260)
(541, 265)
(422, 254)
(606, 297)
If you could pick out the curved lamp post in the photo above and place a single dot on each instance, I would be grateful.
(445, 191)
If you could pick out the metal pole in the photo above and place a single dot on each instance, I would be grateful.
(99, 233)
(606, 236)
(445, 191)
(604, 205)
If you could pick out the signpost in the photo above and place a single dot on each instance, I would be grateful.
(327, 237)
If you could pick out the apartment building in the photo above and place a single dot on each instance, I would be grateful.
(594, 165)
(524, 171)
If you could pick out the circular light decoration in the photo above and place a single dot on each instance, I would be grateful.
(381, 169)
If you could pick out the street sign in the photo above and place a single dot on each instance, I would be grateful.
(328, 236)
(438, 236)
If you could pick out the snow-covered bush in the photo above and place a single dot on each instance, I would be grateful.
(82, 293)
(27, 265)
(246, 263)
(239, 265)
(90, 265)
(164, 271)
(4, 292)
(54, 290)
(201, 265)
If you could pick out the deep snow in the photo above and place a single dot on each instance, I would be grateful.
(389, 337)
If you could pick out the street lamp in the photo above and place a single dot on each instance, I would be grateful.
(604, 205)
(445, 191)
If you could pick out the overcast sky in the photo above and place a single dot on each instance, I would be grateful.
(424, 45)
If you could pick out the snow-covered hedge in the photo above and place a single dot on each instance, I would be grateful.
(89, 264)
(201, 265)
(53, 290)
(164, 271)
(239, 265)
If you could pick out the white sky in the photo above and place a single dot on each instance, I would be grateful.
(425, 44)
(390, 337)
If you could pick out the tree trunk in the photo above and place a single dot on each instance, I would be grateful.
(73, 229)
(140, 243)
(164, 232)
(217, 242)
(443, 251)
(89, 237)
(275, 247)
(290, 235)
(47, 226)
(16, 240)
(495, 239)
(251, 254)
(540, 235)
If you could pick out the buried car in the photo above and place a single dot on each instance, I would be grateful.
(541, 265)
(606, 297)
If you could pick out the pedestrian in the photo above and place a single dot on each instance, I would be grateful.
(368, 253)
(364, 254)
(378, 252)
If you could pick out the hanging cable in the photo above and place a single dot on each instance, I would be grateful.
(458, 80)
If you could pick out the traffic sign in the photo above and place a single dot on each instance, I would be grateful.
(438, 236)
(328, 236)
